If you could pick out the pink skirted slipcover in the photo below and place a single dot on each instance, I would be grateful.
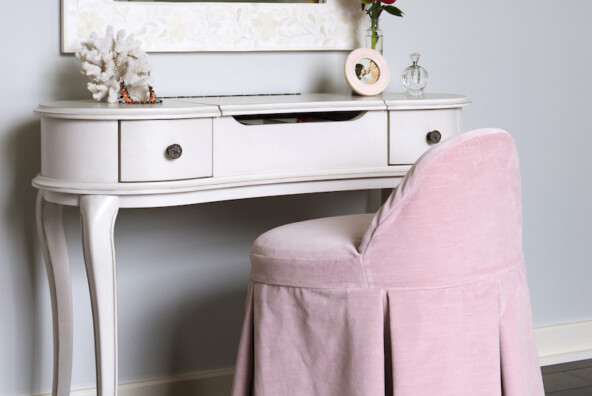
(426, 297)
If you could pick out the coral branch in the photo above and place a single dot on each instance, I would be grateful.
(110, 60)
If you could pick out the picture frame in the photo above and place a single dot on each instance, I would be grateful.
(217, 26)
(366, 72)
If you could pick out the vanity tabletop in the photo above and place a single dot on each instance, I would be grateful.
(402, 101)
(215, 106)
(90, 109)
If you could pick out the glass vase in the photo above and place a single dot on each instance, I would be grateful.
(374, 36)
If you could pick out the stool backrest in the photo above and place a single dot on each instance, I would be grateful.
(456, 215)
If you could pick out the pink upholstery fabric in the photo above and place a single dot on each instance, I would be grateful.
(426, 297)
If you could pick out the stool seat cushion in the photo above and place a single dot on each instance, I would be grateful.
(320, 253)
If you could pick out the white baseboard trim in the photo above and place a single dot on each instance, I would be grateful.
(564, 343)
(556, 344)
(203, 383)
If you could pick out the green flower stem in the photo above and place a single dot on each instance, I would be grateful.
(374, 26)
(374, 12)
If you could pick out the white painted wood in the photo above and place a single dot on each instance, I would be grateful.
(50, 228)
(234, 182)
(93, 110)
(248, 104)
(408, 131)
(251, 149)
(262, 188)
(565, 342)
(203, 383)
(431, 101)
(266, 104)
(98, 214)
(223, 26)
(79, 150)
(143, 147)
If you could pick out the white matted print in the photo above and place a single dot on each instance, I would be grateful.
(366, 72)
(183, 26)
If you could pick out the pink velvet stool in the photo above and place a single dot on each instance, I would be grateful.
(426, 297)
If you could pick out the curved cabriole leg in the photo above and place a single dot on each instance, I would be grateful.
(50, 227)
(98, 214)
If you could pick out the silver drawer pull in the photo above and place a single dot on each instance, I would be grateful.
(174, 151)
(434, 137)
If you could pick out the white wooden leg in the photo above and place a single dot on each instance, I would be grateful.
(50, 227)
(98, 214)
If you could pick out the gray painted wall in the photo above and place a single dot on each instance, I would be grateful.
(525, 64)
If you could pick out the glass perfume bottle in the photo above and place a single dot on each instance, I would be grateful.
(415, 77)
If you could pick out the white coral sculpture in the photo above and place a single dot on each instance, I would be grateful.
(109, 61)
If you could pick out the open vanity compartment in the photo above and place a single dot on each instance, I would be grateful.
(299, 146)
(144, 144)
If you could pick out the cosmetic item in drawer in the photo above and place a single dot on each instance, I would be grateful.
(159, 150)
(412, 132)
(299, 142)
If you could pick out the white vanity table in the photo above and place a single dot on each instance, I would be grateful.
(102, 157)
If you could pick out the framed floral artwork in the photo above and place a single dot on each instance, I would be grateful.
(366, 72)
(214, 26)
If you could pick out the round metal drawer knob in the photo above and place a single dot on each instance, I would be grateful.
(174, 151)
(434, 137)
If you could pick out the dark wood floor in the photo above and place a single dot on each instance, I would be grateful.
(568, 379)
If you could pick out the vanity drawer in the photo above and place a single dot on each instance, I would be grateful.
(408, 132)
(300, 146)
(144, 145)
